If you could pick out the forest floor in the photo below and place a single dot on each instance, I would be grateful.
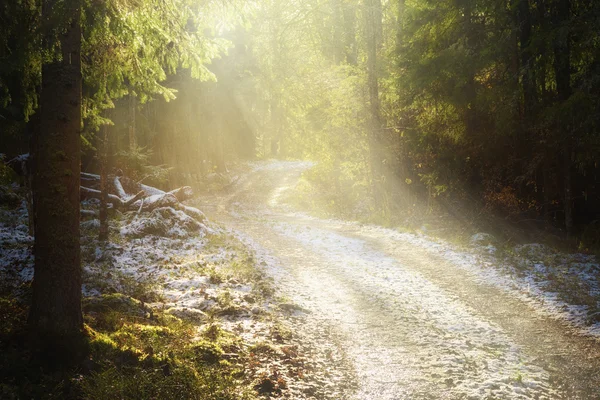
(171, 311)
(414, 317)
(272, 302)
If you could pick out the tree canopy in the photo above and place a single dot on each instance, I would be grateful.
(487, 100)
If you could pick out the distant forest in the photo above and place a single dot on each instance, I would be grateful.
(407, 106)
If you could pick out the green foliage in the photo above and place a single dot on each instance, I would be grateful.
(590, 238)
(129, 48)
(135, 163)
(470, 103)
(133, 354)
(20, 60)
(7, 175)
(154, 355)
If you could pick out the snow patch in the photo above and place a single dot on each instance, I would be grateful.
(482, 239)
(276, 165)
(165, 222)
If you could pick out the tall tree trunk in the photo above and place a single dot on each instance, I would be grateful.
(337, 39)
(399, 145)
(220, 147)
(562, 71)
(56, 304)
(349, 12)
(372, 10)
(546, 183)
(103, 235)
(527, 70)
(399, 31)
(470, 88)
(567, 163)
(542, 21)
(132, 133)
(32, 127)
(275, 126)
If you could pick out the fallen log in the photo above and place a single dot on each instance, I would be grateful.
(89, 177)
(89, 193)
(160, 200)
(150, 191)
(138, 196)
(119, 188)
(147, 198)
(117, 202)
(192, 212)
(146, 203)
(183, 193)
(89, 214)
(132, 186)
(124, 187)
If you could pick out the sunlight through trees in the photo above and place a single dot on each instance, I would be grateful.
(484, 110)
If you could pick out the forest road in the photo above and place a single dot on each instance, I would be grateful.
(411, 325)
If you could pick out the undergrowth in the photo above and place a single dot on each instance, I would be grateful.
(242, 265)
(134, 352)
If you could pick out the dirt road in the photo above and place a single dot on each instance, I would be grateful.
(412, 325)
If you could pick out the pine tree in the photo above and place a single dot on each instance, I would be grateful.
(56, 303)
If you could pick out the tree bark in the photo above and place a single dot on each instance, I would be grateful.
(372, 11)
(568, 187)
(337, 40)
(56, 305)
(349, 33)
(400, 166)
(132, 133)
(470, 88)
(29, 171)
(562, 71)
(527, 71)
(275, 114)
(87, 193)
(103, 234)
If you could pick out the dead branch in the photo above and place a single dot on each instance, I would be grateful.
(119, 188)
(183, 193)
(89, 193)
(89, 214)
(192, 212)
(147, 198)
(138, 196)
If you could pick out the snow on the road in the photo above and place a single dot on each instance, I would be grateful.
(437, 338)
(524, 275)
(280, 165)
(409, 338)
(528, 286)
(411, 335)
